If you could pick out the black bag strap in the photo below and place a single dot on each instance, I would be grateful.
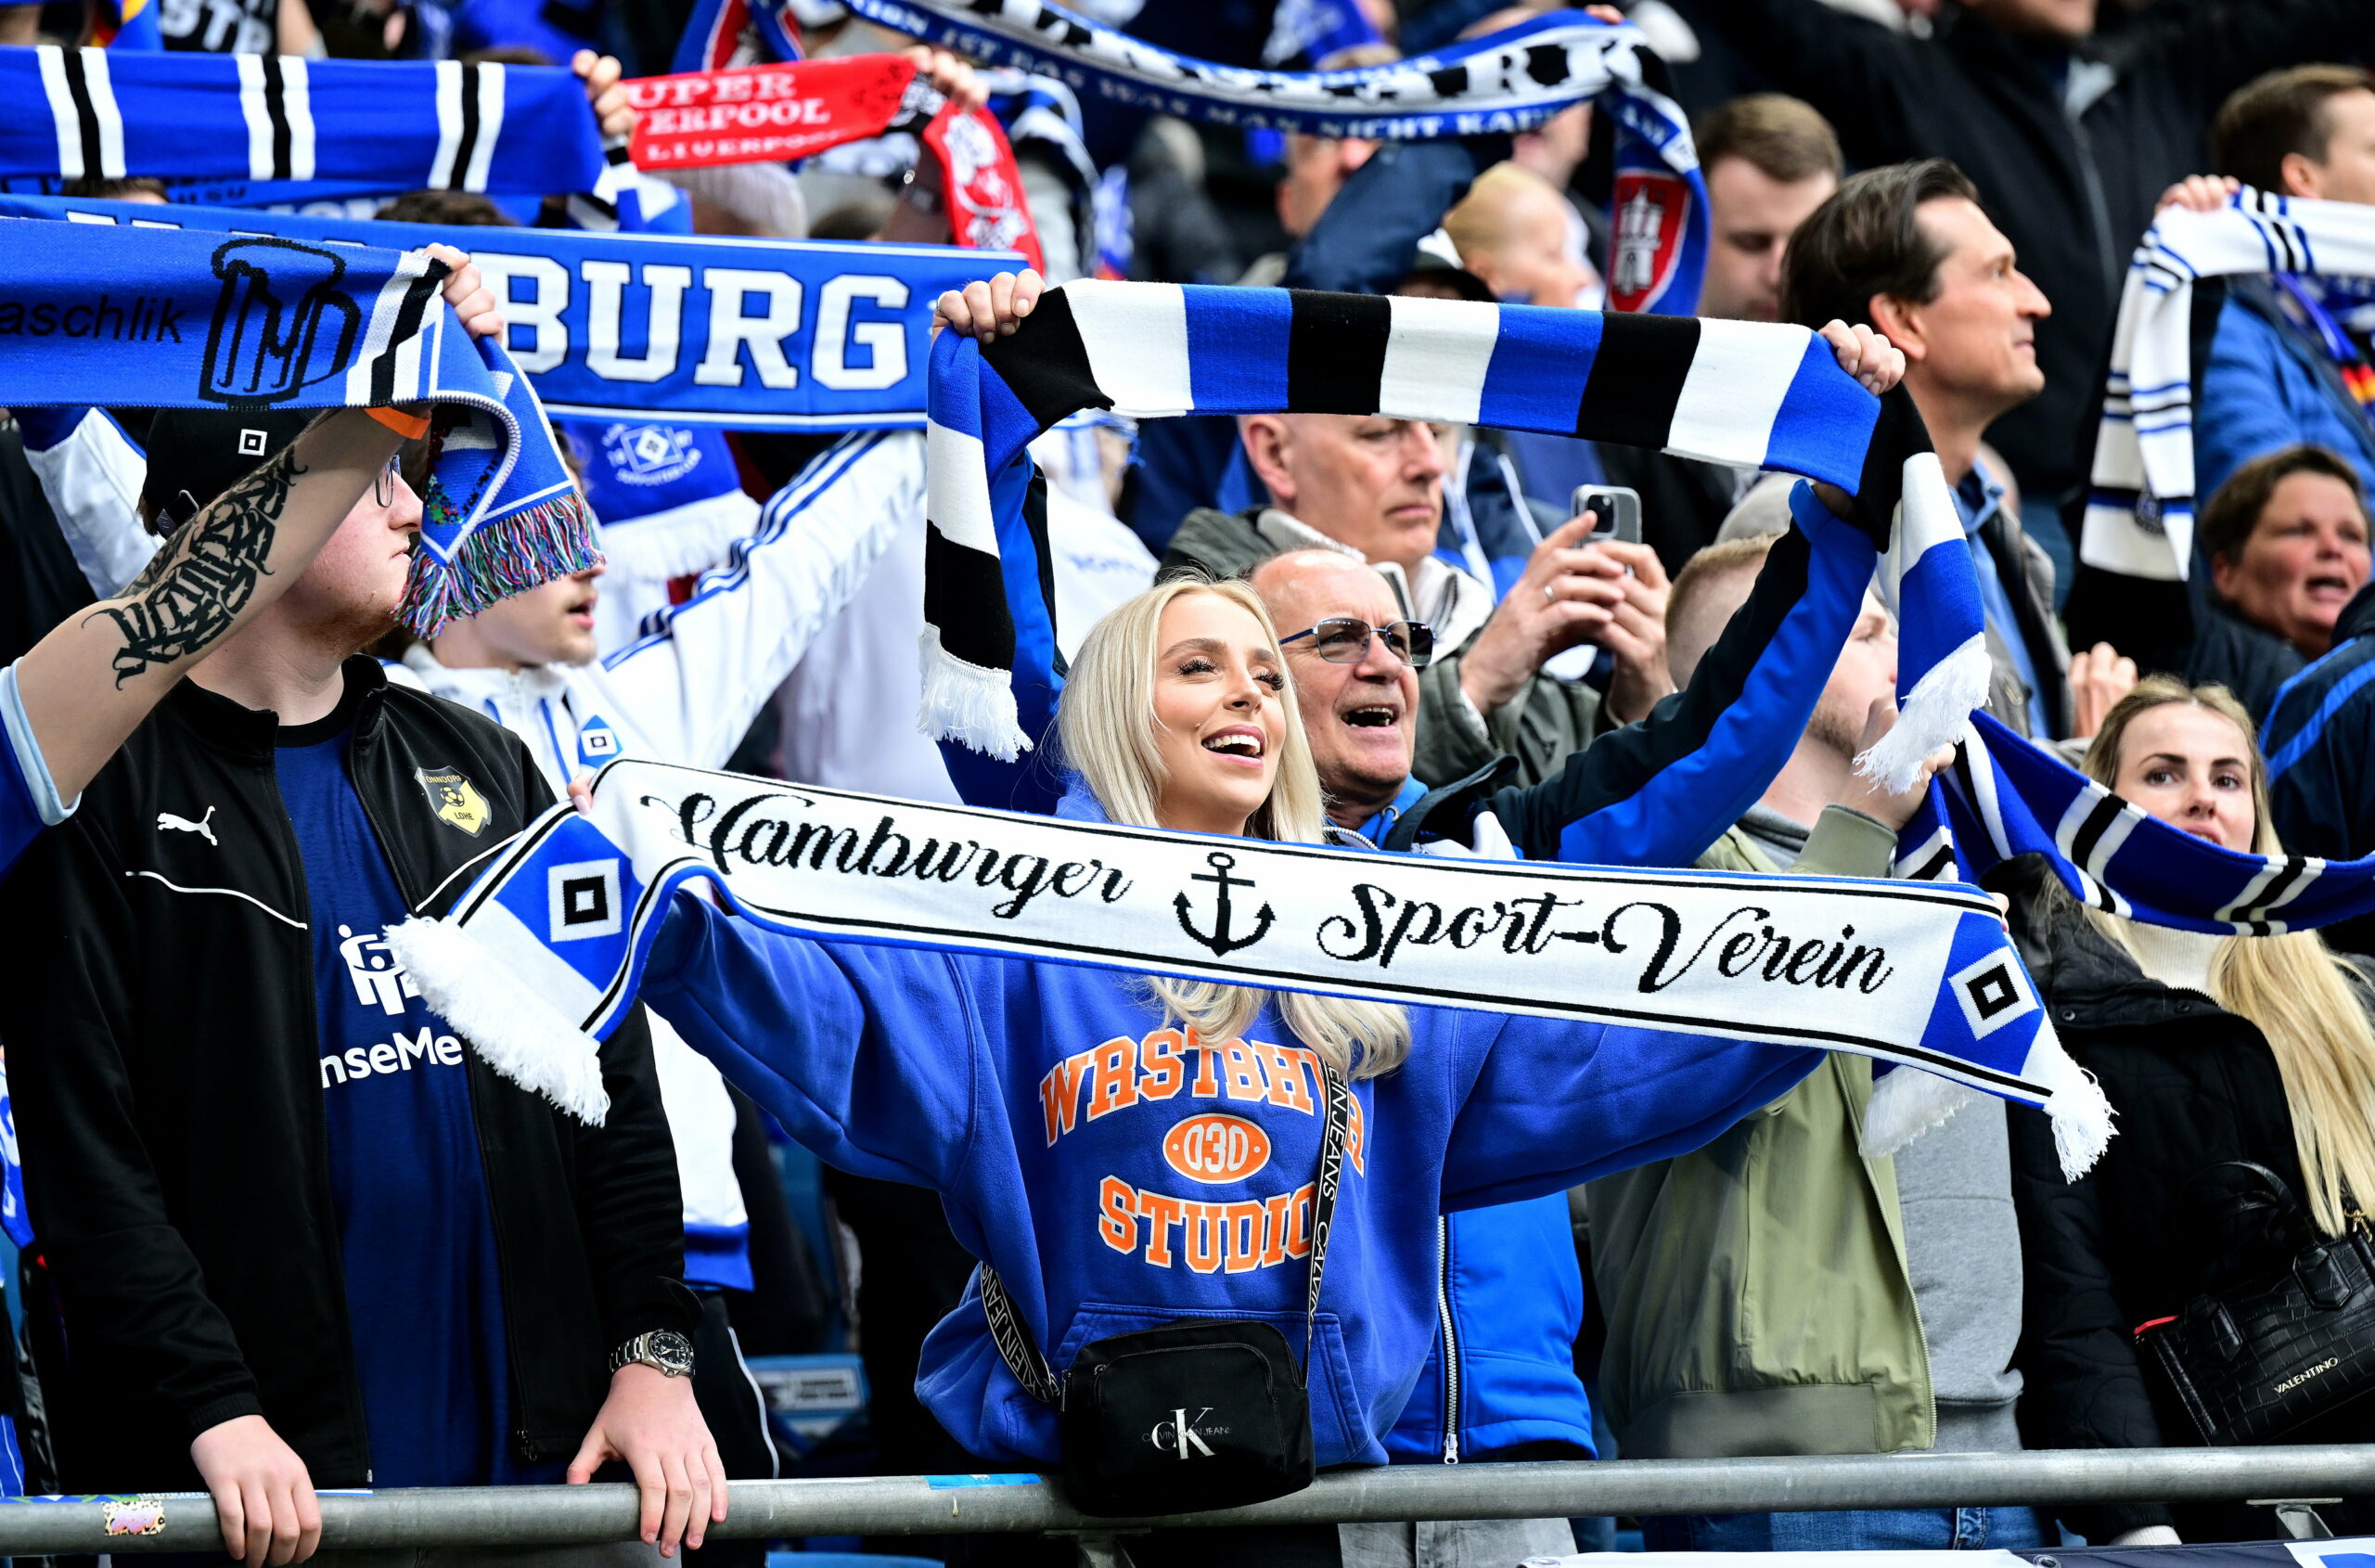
(1030, 1368)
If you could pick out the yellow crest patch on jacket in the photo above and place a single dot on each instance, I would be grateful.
(455, 799)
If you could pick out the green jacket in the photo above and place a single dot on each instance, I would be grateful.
(1756, 1292)
(1539, 727)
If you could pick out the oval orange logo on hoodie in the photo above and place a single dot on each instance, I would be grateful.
(1215, 1147)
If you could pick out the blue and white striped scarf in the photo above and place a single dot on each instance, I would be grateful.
(1511, 81)
(163, 318)
(1727, 391)
(346, 126)
(2005, 796)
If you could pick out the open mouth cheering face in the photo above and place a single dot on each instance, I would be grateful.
(1220, 713)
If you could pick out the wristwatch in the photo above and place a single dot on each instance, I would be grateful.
(663, 1350)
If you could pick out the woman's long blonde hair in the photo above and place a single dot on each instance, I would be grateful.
(2308, 1004)
(1104, 724)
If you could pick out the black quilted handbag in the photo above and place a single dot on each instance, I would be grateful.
(2293, 1342)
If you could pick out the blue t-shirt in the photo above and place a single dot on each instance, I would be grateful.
(423, 1285)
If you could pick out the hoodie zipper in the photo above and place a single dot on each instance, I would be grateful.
(1451, 1340)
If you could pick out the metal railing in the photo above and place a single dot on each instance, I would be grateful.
(956, 1505)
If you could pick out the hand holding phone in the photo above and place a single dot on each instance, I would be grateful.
(1616, 512)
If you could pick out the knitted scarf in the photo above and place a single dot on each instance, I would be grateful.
(1725, 392)
(347, 125)
(2139, 514)
(745, 334)
(544, 953)
(1508, 81)
(162, 318)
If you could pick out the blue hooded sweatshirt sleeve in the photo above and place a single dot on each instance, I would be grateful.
(1119, 1172)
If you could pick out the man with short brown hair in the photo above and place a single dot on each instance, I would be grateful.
(2288, 350)
(1768, 160)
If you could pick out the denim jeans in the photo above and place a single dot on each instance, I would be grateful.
(1957, 1529)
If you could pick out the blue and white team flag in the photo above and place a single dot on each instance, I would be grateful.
(1728, 392)
(165, 318)
(737, 334)
(324, 127)
(1510, 81)
(544, 953)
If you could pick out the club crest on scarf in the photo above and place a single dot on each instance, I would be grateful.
(1648, 215)
(650, 454)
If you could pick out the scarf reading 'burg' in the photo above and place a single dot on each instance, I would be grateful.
(385, 125)
(544, 953)
(1727, 391)
(746, 334)
(163, 318)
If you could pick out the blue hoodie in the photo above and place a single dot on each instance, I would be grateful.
(1071, 1137)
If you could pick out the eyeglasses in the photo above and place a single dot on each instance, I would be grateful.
(383, 484)
(1344, 640)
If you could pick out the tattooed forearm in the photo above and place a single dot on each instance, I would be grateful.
(185, 599)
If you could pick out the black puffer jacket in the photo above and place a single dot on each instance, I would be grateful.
(2193, 1086)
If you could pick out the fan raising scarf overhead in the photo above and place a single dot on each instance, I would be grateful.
(1508, 81)
(1725, 392)
(169, 318)
(2005, 796)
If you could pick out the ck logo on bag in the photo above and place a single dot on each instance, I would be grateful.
(1185, 1437)
(280, 315)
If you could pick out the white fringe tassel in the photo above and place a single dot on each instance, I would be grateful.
(1934, 713)
(517, 1032)
(966, 704)
(1908, 1102)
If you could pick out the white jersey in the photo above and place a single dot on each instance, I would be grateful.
(91, 474)
(684, 691)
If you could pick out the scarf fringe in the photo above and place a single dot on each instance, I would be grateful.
(2081, 1111)
(1906, 1103)
(968, 704)
(517, 1031)
(501, 557)
(1934, 713)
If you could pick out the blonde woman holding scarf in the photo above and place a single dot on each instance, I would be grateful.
(1047, 1103)
(2215, 1049)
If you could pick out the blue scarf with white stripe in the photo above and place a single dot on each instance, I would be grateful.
(1508, 81)
(1728, 391)
(332, 127)
(161, 318)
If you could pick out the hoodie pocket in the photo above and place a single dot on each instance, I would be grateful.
(1338, 1432)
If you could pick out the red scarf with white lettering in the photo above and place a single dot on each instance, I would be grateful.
(778, 113)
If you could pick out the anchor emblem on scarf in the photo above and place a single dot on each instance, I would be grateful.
(1222, 939)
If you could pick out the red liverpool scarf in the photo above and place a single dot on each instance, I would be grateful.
(777, 113)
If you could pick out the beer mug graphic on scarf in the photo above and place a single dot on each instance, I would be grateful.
(280, 322)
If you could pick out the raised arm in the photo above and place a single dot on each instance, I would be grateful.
(859, 1051)
(90, 473)
(90, 682)
(1558, 1103)
(702, 671)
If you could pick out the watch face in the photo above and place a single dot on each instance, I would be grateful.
(673, 1350)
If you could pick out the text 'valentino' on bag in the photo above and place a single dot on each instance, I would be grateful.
(2258, 1361)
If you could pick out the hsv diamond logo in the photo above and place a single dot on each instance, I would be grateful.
(1648, 208)
(650, 454)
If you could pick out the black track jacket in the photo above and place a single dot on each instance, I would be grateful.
(158, 1006)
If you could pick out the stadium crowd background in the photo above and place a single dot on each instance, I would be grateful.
(1965, 179)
